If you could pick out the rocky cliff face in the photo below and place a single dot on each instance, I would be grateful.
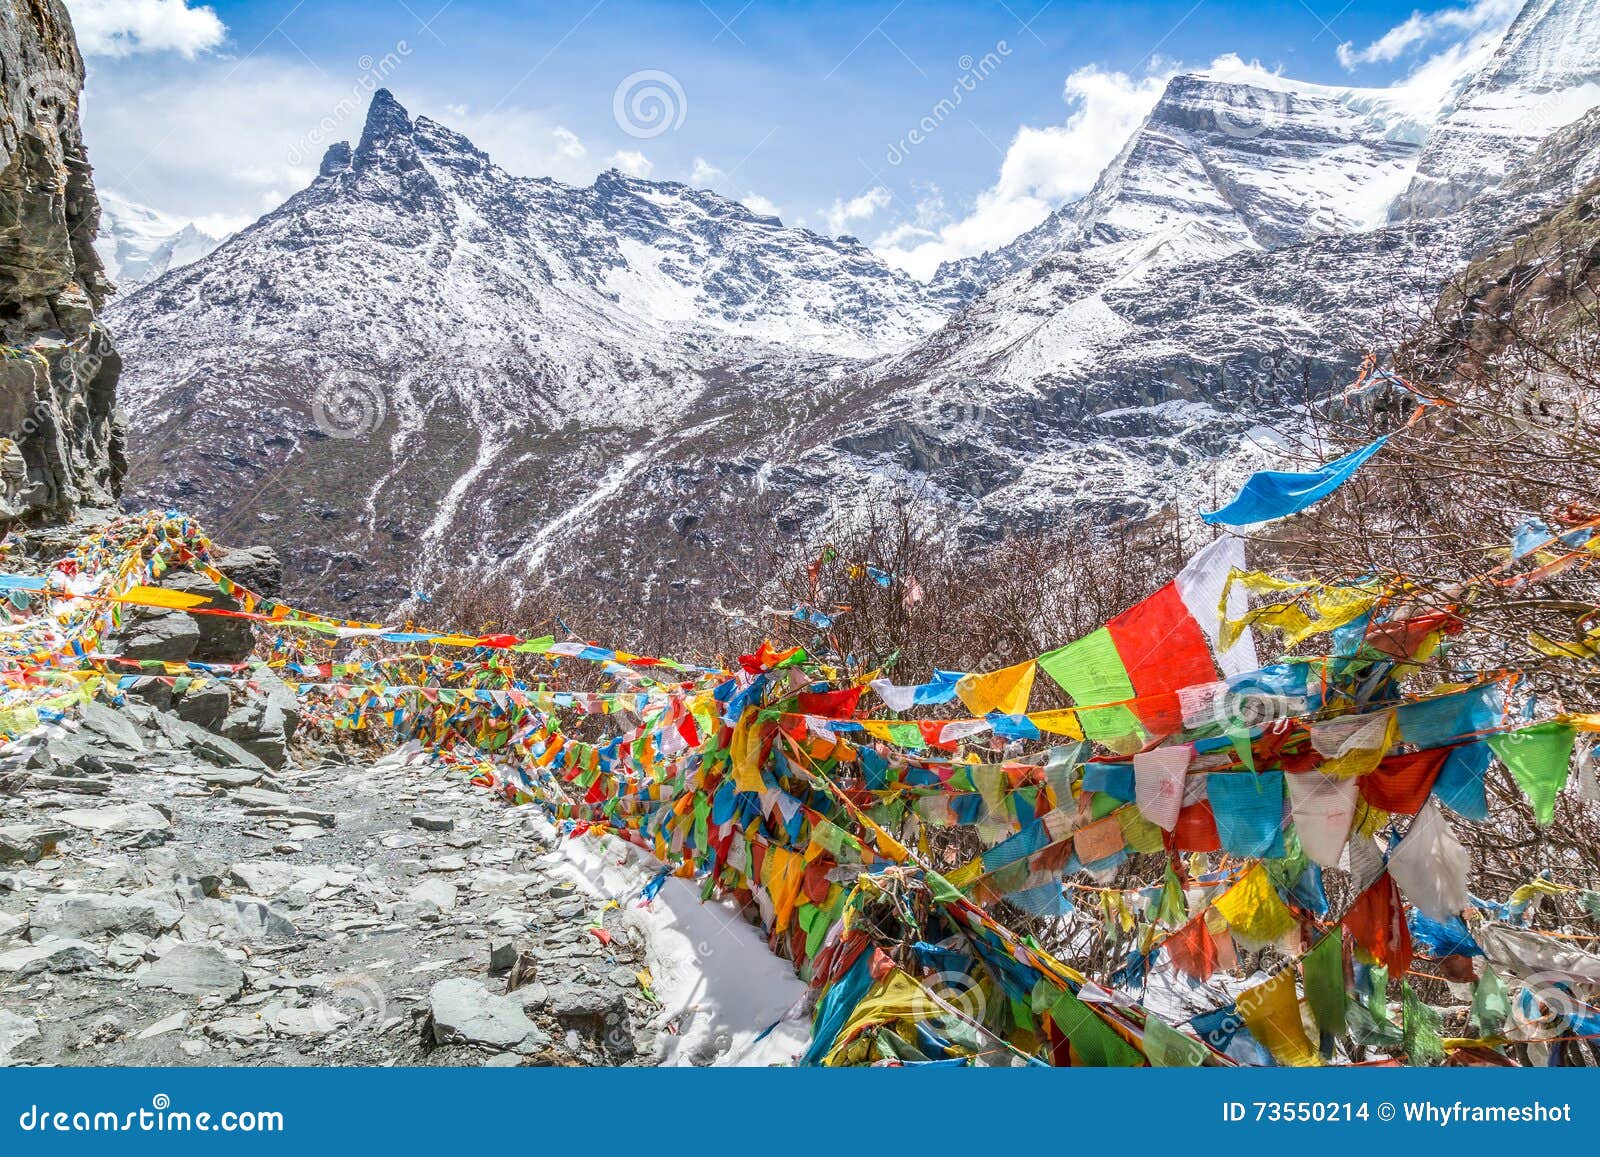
(61, 441)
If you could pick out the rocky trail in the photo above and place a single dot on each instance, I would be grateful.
(167, 898)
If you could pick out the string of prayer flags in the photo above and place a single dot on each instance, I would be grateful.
(1005, 691)
(1326, 992)
(1158, 782)
(1377, 922)
(1125, 677)
(1248, 809)
(1431, 866)
(1323, 807)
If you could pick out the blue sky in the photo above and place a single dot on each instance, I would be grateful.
(219, 111)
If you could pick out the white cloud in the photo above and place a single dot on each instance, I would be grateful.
(1043, 167)
(862, 208)
(632, 162)
(1484, 18)
(125, 27)
(523, 141)
(758, 204)
(704, 173)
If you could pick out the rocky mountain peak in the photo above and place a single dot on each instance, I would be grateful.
(388, 125)
(335, 160)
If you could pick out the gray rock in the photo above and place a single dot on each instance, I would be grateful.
(127, 950)
(196, 970)
(464, 1011)
(111, 726)
(534, 994)
(232, 777)
(306, 815)
(156, 692)
(186, 864)
(116, 819)
(433, 822)
(51, 956)
(304, 1023)
(439, 894)
(15, 1030)
(75, 785)
(174, 1023)
(170, 636)
(28, 843)
(82, 915)
(502, 955)
(236, 1029)
(265, 721)
(204, 706)
(259, 797)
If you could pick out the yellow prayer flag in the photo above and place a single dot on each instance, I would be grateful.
(1252, 908)
(161, 597)
(1063, 721)
(1005, 690)
(1272, 1013)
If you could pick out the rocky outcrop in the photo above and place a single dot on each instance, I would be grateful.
(61, 439)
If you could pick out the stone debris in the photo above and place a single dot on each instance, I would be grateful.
(195, 969)
(50, 956)
(177, 875)
(464, 1011)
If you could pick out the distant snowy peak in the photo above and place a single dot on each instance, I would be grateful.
(1252, 160)
(1545, 74)
(653, 255)
(138, 244)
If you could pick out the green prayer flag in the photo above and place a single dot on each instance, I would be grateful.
(1171, 907)
(1092, 672)
(1420, 1029)
(1323, 969)
(1096, 1042)
(1168, 1048)
(1490, 1004)
(1540, 758)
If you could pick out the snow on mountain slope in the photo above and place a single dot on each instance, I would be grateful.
(419, 342)
(420, 363)
(137, 244)
(1258, 160)
(1545, 74)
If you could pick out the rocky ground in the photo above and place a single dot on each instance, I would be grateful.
(168, 898)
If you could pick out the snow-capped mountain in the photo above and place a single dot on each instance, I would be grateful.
(1229, 159)
(1545, 74)
(451, 342)
(420, 363)
(137, 244)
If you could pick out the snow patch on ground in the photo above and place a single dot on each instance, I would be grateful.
(713, 972)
